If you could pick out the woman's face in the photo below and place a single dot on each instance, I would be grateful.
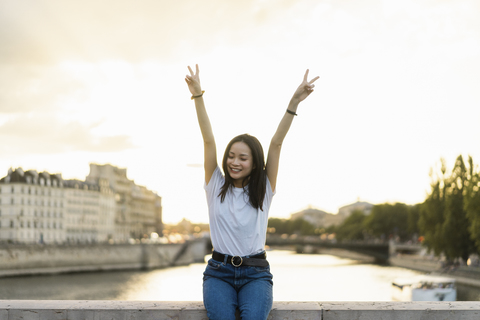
(239, 163)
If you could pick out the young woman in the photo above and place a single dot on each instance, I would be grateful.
(238, 274)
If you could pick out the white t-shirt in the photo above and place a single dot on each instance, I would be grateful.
(236, 228)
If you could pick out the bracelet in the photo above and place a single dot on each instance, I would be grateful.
(291, 112)
(193, 97)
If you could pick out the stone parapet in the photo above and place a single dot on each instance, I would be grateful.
(151, 310)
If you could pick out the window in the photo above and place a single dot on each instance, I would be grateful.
(12, 201)
(12, 224)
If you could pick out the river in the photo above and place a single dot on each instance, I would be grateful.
(297, 277)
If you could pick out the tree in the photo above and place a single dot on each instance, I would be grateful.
(386, 220)
(352, 227)
(412, 220)
(432, 213)
(444, 221)
(458, 243)
(472, 203)
(297, 226)
(278, 224)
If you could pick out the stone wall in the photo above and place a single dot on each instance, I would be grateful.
(49, 259)
(151, 310)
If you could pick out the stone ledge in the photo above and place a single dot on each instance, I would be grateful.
(152, 310)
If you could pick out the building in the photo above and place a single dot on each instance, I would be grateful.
(138, 210)
(362, 206)
(318, 218)
(107, 207)
(32, 207)
(314, 216)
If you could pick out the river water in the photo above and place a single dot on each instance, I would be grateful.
(296, 277)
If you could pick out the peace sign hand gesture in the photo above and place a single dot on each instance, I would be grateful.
(193, 81)
(304, 89)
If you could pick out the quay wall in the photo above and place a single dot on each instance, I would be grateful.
(16, 260)
(152, 310)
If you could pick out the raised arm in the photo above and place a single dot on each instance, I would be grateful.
(210, 149)
(273, 159)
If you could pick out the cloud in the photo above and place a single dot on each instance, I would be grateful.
(44, 31)
(44, 134)
(25, 89)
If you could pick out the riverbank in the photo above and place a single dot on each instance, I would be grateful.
(465, 275)
(20, 260)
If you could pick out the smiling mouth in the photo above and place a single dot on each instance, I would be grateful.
(235, 170)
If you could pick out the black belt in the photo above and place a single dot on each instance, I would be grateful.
(259, 260)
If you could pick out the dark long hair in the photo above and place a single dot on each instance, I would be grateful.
(256, 184)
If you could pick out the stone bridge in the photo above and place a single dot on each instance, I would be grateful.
(380, 251)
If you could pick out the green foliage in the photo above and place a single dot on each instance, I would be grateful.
(352, 227)
(450, 211)
(432, 217)
(279, 225)
(388, 220)
(472, 203)
(412, 219)
(297, 226)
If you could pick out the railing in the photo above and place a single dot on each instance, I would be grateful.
(151, 310)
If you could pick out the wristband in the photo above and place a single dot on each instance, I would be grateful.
(291, 112)
(193, 97)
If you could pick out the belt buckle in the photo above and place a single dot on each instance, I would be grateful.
(236, 265)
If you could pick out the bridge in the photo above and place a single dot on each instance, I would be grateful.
(380, 251)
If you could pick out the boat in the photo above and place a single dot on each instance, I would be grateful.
(424, 288)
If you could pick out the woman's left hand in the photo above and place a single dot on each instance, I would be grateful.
(304, 89)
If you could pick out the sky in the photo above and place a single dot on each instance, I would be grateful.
(103, 82)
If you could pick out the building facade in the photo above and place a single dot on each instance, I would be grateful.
(362, 206)
(44, 208)
(138, 211)
(31, 207)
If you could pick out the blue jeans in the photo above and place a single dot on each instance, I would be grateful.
(226, 288)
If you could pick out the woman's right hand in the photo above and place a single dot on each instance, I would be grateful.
(193, 81)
